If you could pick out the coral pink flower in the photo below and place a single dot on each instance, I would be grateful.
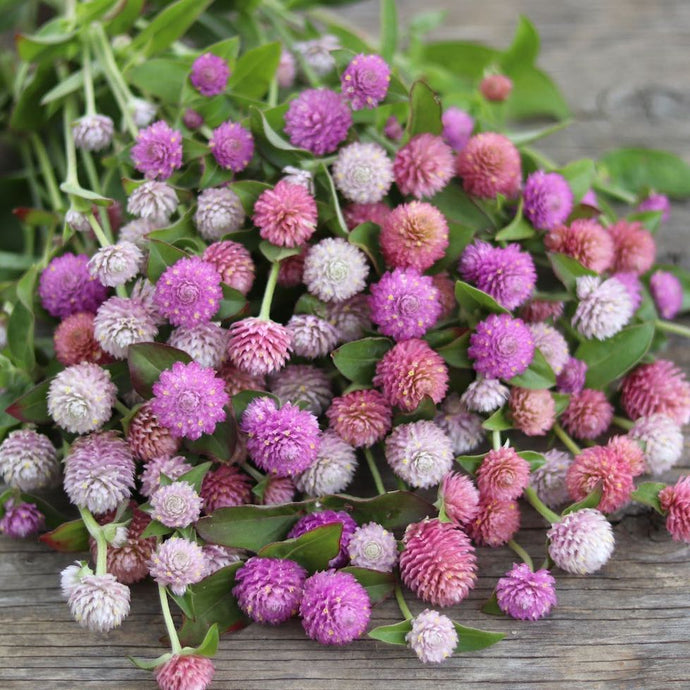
(584, 240)
(533, 411)
(503, 475)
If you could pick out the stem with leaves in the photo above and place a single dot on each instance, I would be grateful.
(167, 617)
(96, 531)
(543, 510)
(566, 440)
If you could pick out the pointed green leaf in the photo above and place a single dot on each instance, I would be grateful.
(580, 177)
(425, 110)
(538, 375)
(221, 444)
(379, 585)
(69, 537)
(491, 607)
(32, 407)
(535, 460)
(568, 270)
(473, 300)
(473, 639)
(455, 354)
(647, 493)
(591, 500)
(156, 529)
(313, 550)
(517, 229)
(209, 646)
(146, 361)
(274, 253)
(150, 664)
(470, 463)
(525, 46)
(392, 634)
(389, 30)
(161, 256)
(498, 421)
(254, 71)
(357, 360)
(232, 303)
(366, 237)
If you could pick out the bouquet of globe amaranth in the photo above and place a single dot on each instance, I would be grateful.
(257, 253)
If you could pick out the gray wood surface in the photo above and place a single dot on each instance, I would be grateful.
(623, 67)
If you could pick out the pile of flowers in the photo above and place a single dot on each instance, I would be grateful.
(281, 254)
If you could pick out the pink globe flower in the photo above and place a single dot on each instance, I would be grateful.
(433, 637)
(572, 377)
(548, 200)
(588, 415)
(278, 490)
(675, 502)
(364, 82)
(258, 347)
(549, 479)
(219, 211)
(209, 74)
(424, 166)
(496, 523)
(148, 438)
(225, 487)
(178, 563)
(526, 595)
(356, 214)
(21, 520)
(503, 475)
(361, 417)
(232, 146)
(533, 411)
(158, 151)
(551, 344)
(662, 441)
(457, 127)
(656, 202)
(634, 247)
(584, 240)
(537, 310)
(185, 672)
(74, 341)
(459, 497)
(496, 87)
(312, 337)
(604, 307)
(176, 505)
(667, 293)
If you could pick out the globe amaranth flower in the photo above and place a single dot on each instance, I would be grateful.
(176, 505)
(361, 417)
(148, 438)
(656, 202)
(321, 519)
(286, 215)
(490, 165)
(356, 214)
(317, 53)
(572, 376)
(363, 172)
(549, 479)
(302, 384)
(459, 498)
(286, 70)
(137, 231)
(232, 146)
(661, 439)
(526, 595)
(604, 307)
(185, 672)
(237, 381)
(283, 441)
(333, 469)
(409, 371)
(142, 111)
(457, 127)
(116, 264)
(192, 119)
(28, 460)
(93, 132)
(81, 398)
(496, 87)
(218, 557)
(533, 411)
(188, 292)
(312, 337)
(424, 166)
(632, 285)
(433, 637)
(485, 395)
(660, 387)
(299, 176)
(537, 310)
(318, 120)
(501, 347)
(581, 542)
(172, 467)
(374, 547)
(667, 293)
(420, 453)
(442, 581)
(158, 151)
(335, 270)
(335, 608)
(503, 475)
(585, 241)
(675, 502)
(21, 520)
(292, 269)
(99, 472)
(225, 487)
(189, 400)
(258, 347)
(350, 317)
(99, 602)
(210, 74)
(78, 221)
(588, 415)
(446, 291)
(414, 235)
(365, 81)
(177, 563)
(548, 200)
(153, 201)
(495, 523)
(66, 286)
(551, 344)
(121, 322)
(205, 343)
(269, 590)
(218, 211)
(464, 429)
(233, 262)
(278, 490)
(634, 247)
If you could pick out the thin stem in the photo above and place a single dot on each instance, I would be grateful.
(91, 173)
(623, 423)
(522, 553)
(70, 151)
(273, 93)
(670, 327)
(265, 313)
(496, 439)
(404, 608)
(167, 617)
(96, 532)
(543, 510)
(566, 440)
(89, 96)
(121, 408)
(47, 172)
(374, 471)
(251, 471)
(382, 140)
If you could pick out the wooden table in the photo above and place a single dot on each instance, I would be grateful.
(623, 67)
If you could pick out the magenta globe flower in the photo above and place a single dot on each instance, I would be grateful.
(209, 74)
(232, 146)
(365, 81)
(158, 151)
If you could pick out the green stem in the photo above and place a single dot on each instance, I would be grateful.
(383, 141)
(89, 96)
(273, 93)
(265, 313)
(496, 439)
(167, 617)
(121, 408)
(543, 510)
(47, 172)
(522, 553)
(670, 327)
(623, 423)
(96, 532)
(566, 440)
(251, 471)
(70, 151)
(404, 608)
(374, 471)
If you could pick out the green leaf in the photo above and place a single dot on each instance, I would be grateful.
(538, 375)
(463, 59)
(156, 529)
(389, 30)
(535, 460)
(591, 500)
(568, 270)
(20, 337)
(161, 256)
(243, 398)
(196, 475)
(32, 407)
(123, 20)
(647, 493)
(473, 300)
(457, 207)
(379, 585)
(53, 40)
(69, 537)
(87, 196)
(274, 253)
(366, 237)
(425, 410)
(470, 463)
(562, 401)
(209, 646)
(64, 87)
(146, 361)
(255, 70)
(357, 360)
(149, 664)
(459, 236)
(271, 145)
(233, 303)
(313, 550)
(425, 111)
(491, 607)
(525, 46)
(26, 117)
(455, 354)
(517, 229)
(534, 95)
(53, 517)
(580, 176)
(524, 137)
(498, 421)
(609, 359)
(340, 228)
(221, 444)
(392, 634)
(249, 191)
(473, 639)
(94, 9)
(162, 78)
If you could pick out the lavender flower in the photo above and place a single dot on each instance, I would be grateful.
(464, 429)
(304, 385)
(335, 270)
(433, 637)
(93, 132)
(153, 201)
(322, 518)
(332, 470)
(526, 595)
(582, 542)
(121, 322)
(485, 395)
(363, 172)
(365, 81)
(604, 307)
(99, 602)
(232, 146)
(549, 479)
(219, 211)
(21, 520)
(116, 264)
(667, 293)
(312, 337)
(457, 127)
(317, 53)
(28, 460)
(374, 547)
(661, 439)
(158, 151)
(177, 563)
(176, 505)
(205, 343)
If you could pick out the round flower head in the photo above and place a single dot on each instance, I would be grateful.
(581, 542)
(291, 269)
(496, 87)
(548, 200)
(116, 264)
(675, 502)
(137, 231)
(121, 322)
(356, 214)
(661, 439)
(304, 385)
(446, 291)
(503, 475)
(283, 441)
(312, 337)
(404, 304)
(269, 590)
(233, 262)
(210, 74)
(185, 672)
(423, 166)
(496, 522)
(28, 460)
(93, 132)
(225, 487)
(205, 343)
(176, 505)
(421, 453)
(188, 399)
(298, 176)
(66, 287)
(328, 517)
(192, 119)
(604, 307)
(549, 479)
(153, 201)
(335, 608)
(457, 127)
(361, 417)
(318, 120)
(188, 292)
(142, 111)
(533, 411)
(485, 395)
(572, 376)
(433, 637)
(585, 241)
(172, 467)
(656, 202)
(489, 165)
(501, 347)
(158, 151)
(278, 490)
(333, 469)
(551, 344)
(463, 427)
(537, 310)
(21, 520)
(588, 415)
(286, 215)
(363, 172)
(77, 220)
(99, 602)
(81, 398)
(147, 438)
(526, 595)
(237, 381)
(259, 347)
(232, 146)
(364, 82)
(286, 71)
(350, 317)
(218, 557)
(374, 547)
(667, 293)
(459, 497)
(335, 270)
(177, 563)
(410, 371)
(218, 212)
(441, 582)
(99, 472)
(317, 53)
(634, 247)
(414, 235)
